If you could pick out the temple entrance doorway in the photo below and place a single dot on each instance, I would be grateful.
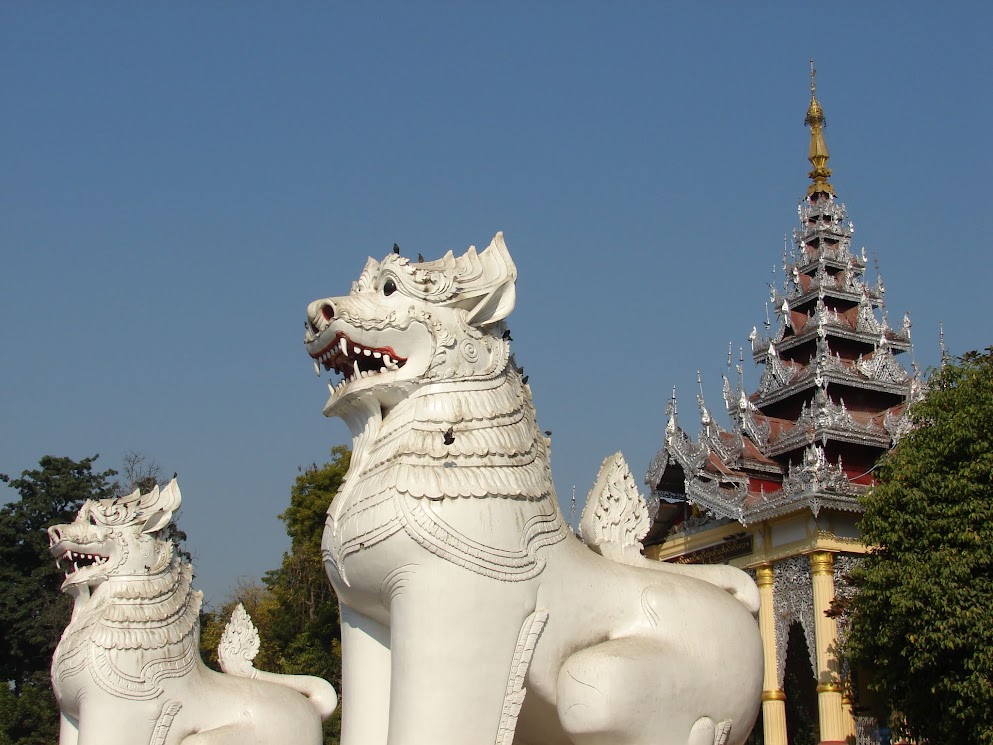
(802, 725)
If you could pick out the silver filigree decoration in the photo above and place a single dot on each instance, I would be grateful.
(727, 449)
(757, 429)
(691, 456)
(823, 414)
(815, 475)
(844, 564)
(882, 365)
(897, 425)
(776, 374)
(656, 468)
(793, 602)
(866, 731)
(696, 523)
(866, 321)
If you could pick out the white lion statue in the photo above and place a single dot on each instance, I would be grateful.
(128, 669)
(470, 613)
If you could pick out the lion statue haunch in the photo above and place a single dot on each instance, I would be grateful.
(470, 613)
(128, 669)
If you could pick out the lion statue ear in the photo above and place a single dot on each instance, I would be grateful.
(498, 276)
(161, 503)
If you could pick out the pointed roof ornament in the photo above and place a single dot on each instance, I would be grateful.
(818, 155)
(672, 425)
(705, 419)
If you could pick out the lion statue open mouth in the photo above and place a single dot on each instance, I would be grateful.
(128, 668)
(470, 612)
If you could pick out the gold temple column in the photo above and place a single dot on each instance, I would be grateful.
(829, 704)
(848, 713)
(773, 698)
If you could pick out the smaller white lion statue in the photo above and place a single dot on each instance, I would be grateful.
(128, 671)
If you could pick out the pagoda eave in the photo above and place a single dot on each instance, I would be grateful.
(799, 439)
(808, 381)
(724, 503)
(761, 468)
(837, 250)
(730, 505)
(809, 333)
(836, 258)
(799, 300)
(813, 501)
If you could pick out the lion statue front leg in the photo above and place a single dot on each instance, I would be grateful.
(414, 672)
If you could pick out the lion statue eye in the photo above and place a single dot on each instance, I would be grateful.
(389, 287)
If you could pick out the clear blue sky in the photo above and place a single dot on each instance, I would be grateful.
(180, 179)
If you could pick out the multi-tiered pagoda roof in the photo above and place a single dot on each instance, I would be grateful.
(831, 399)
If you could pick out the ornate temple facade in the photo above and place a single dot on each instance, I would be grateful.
(777, 492)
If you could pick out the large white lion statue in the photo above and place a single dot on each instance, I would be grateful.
(128, 669)
(470, 613)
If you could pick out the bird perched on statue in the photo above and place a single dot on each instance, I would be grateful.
(524, 379)
(396, 249)
(506, 335)
(450, 436)
(420, 258)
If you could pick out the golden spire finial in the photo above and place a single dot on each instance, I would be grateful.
(818, 156)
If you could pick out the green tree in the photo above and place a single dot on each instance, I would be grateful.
(294, 608)
(921, 618)
(33, 612)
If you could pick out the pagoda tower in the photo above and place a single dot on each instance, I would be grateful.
(776, 492)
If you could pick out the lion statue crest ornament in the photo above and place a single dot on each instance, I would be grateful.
(128, 671)
(470, 612)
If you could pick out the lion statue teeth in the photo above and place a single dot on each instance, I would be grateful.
(469, 610)
(128, 668)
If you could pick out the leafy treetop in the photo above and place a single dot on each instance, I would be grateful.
(921, 619)
(33, 611)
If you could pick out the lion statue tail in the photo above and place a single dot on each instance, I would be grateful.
(238, 647)
(617, 517)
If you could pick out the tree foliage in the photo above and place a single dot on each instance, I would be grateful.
(921, 620)
(294, 607)
(33, 612)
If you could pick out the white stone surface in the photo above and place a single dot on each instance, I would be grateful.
(128, 670)
(470, 612)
